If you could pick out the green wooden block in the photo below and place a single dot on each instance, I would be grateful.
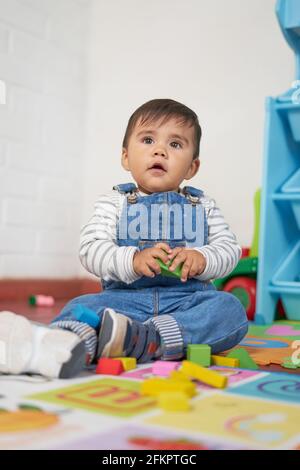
(246, 362)
(199, 354)
(165, 271)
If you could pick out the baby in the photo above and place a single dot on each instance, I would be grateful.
(143, 312)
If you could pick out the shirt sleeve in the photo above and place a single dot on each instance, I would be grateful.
(99, 253)
(222, 251)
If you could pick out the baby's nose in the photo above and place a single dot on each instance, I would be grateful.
(160, 152)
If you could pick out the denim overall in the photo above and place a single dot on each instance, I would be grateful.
(197, 313)
(161, 225)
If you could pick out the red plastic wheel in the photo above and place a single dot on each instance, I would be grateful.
(244, 288)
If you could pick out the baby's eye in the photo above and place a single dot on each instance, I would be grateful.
(146, 140)
(177, 145)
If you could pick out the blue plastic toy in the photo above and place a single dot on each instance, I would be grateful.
(85, 315)
(279, 250)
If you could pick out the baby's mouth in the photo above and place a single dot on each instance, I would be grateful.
(157, 168)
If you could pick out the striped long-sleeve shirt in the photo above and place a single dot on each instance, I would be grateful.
(101, 256)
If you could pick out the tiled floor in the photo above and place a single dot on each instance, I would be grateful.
(39, 314)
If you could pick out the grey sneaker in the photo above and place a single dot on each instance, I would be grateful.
(120, 336)
(26, 347)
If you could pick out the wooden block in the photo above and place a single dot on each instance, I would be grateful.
(129, 363)
(173, 401)
(206, 376)
(225, 361)
(85, 315)
(164, 368)
(177, 375)
(246, 362)
(153, 387)
(199, 354)
(165, 269)
(109, 366)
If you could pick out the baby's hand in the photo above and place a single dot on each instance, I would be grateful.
(144, 262)
(193, 261)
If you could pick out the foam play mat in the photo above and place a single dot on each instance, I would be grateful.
(259, 409)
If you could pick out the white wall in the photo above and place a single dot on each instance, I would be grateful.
(42, 61)
(221, 58)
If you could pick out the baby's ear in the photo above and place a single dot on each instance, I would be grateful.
(193, 169)
(124, 159)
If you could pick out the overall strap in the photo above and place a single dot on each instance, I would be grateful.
(129, 189)
(192, 194)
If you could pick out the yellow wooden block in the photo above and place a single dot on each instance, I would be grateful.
(129, 363)
(178, 375)
(155, 386)
(225, 361)
(173, 401)
(203, 374)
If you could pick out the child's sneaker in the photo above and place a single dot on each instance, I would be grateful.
(26, 347)
(120, 336)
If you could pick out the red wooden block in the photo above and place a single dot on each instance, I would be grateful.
(109, 366)
(245, 252)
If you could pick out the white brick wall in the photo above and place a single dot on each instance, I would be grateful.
(43, 63)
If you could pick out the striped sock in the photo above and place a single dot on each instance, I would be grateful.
(85, 332)
(171, 337)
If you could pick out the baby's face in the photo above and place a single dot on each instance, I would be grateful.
(160, 157)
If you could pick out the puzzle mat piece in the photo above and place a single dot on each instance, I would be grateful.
(116, 397)
(287, 331)
(51, 426)
(234, 375)
(139, 374)
(280, 329)
(135, 437)
(271, 387)
(256, 423)
(265, 351)
(15, 386)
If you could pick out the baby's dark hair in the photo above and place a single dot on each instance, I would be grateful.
(165, 109)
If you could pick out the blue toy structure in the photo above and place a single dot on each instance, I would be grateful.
(279, 250)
